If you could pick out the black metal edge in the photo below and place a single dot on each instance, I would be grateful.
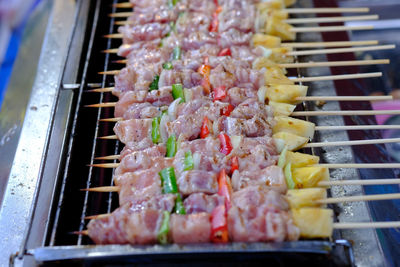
(44, 254)
(54, 152)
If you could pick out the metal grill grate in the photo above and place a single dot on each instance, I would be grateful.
(86, 138)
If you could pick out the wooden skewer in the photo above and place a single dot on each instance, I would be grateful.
(121, 14)
(317, 128)
(112, 119)
(101, 90)
(99, 216)
(313, 64)
(307, 79)
(325, 44)
(102, 105)
(106, 189)
(114, 36)
(327, 165)
(356, 127)
(84, 232)
(331, 19)
(288, 10)
(110, 51)
(340, 50)
(360, 165)
(105, 165)
(357, 225)
(364, 225)
(345, 113)
(320, 144)
(326, 10)
(337, 77)
(354, 142)
(333, 63)
(320, 128)
(123, 22)
(300, 45)
(294, 29)
(121, 61)
(111, 157)
(359, 182)
(300, 98)
(110, 72)
(103, 189)
(344, 98)
(358, 198)
(290, 21)
(331, 28)
(123, 5)
(109, 137)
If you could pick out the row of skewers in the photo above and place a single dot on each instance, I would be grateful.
(212, 80)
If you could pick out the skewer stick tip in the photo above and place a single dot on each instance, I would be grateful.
(84, 232)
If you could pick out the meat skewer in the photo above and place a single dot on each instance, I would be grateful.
(299, 64)
(289, 21)
(298, 44)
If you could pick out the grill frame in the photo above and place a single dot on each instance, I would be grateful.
(88, 253)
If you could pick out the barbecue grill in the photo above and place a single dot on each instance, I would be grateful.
(59, 207)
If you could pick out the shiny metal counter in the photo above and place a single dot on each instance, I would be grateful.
(27, 114)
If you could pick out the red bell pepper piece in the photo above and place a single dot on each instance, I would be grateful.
(225, 52)
(219, 92)
(234, 164)
(226, 111)
(225, 188)
(205, 71)
(219, 225)
(214, 23)
(205, 128)
(226, 145)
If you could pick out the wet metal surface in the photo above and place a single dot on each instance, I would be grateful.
(366, 246)
(25, 170)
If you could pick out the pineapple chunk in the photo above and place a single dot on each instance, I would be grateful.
(306, 177)
(300, 159)
(274, 76)
(294, 126)
(281, 109)
(289, 2)
(263, 62)
(265, 40)
(300, 198)
(289, 140)
(276, 55)
(280, 55)
(272, 4)
(284, 93)
(313, 222)
(277, 27)
(279, 14)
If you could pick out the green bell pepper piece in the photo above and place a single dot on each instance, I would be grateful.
(168, 181)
